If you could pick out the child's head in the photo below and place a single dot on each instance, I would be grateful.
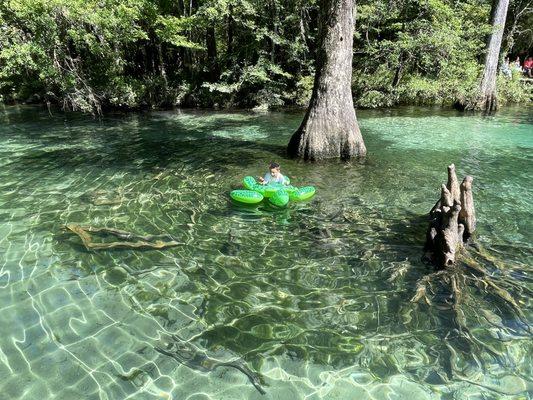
(274, 168)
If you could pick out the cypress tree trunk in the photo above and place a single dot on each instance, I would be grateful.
(330, 128)
(229, 51)
(212, 61)
(488, 99)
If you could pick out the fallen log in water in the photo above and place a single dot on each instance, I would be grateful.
(452, 220)
(130, 240)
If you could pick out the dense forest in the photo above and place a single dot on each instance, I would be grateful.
(91, 55)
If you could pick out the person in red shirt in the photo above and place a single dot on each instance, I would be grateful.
(528, 67)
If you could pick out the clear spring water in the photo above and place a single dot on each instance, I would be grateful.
(312, 301)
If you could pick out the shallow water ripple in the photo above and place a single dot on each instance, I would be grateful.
(309, 302)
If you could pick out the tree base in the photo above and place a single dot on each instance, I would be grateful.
(325, 138)
(487, 103)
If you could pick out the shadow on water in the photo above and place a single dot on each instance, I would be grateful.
(216, 155)
(146, 141)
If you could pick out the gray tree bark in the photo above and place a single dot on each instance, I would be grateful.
(452, 220)
(488, 96)
(329, 128)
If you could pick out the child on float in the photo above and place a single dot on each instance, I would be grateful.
(274, 175)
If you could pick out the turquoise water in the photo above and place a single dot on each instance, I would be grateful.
(308, 302)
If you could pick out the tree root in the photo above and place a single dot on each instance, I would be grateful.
(452, 222)
(484, 281)
(422, 286)
(457, 283)
(131, 240)
(189, 355)
(398, 272)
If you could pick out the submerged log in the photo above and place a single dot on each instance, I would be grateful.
(452, 220)
(130, 240)
(193, 357)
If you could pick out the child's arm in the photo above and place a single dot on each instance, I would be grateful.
(263, 180)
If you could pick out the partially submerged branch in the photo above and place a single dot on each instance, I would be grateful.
(188, 354)
(129, 240)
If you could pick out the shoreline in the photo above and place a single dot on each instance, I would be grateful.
(55, 108)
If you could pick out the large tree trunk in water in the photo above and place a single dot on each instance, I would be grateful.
(488, 99)
(330, 128)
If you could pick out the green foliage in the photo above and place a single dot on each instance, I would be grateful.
(66, 51)
(424, 52)
(512, 91)
(91, 54)
(173, 30)
(304, 88)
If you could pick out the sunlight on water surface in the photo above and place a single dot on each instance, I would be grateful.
(308, 302)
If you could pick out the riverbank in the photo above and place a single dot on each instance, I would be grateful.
(516, 92)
